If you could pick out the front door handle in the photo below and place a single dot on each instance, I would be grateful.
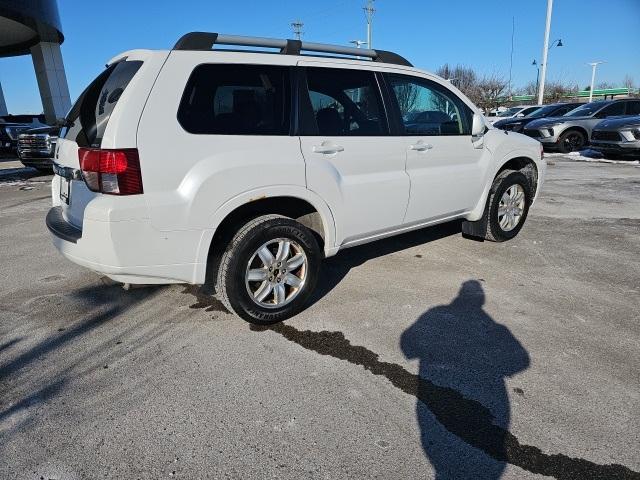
(328, 148)
(420, 146)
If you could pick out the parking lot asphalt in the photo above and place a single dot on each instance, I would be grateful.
(422, 356)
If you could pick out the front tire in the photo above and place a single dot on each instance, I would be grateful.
(269, 270)
(571, 141)
(507, 206)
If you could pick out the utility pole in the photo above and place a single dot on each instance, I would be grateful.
(593, 78)
(369, 10)
(297, 29)
(545, 52)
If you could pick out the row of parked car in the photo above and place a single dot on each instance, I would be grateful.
(30, 138)
(611, 127)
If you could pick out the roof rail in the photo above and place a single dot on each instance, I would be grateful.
(207, 40)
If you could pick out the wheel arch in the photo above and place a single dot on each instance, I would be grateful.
(527, 166)
(301, 205)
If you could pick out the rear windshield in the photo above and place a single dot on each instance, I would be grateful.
(88, 118)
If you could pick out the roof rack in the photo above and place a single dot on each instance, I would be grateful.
(206, 41)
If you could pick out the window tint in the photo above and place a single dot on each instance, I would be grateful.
(633, 108)
(345, 102)
(90, 114)
(427, 108)
(236, 100)
(612, 110)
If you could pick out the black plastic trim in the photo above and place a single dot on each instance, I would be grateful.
(384, 56)
(60, 227)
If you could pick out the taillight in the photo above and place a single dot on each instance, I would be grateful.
(115, 172)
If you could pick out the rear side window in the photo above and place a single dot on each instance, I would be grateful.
(236, 100)
(89, 116)
(344, 103)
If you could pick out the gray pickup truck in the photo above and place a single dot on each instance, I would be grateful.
(37, 146)
(572, 131)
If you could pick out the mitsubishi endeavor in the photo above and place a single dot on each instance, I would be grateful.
(245, 168)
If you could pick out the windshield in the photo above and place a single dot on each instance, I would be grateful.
(586, 110)
(510, 112)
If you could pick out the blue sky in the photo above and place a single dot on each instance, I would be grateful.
(428, 32)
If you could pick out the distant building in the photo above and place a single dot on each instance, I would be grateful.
(32, 27)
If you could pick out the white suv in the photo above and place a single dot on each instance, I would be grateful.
(245, 169)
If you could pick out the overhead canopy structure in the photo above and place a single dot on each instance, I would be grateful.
(32, 27)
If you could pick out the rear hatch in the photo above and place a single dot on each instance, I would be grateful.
(85, 127)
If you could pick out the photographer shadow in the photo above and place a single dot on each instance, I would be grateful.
(461, 348)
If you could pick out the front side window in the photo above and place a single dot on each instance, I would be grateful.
(612, 110)
(236, 100)
(427, 108)
(345, 103)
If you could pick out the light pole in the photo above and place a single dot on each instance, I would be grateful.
(545, 51)
(556, 43)
(535, 64)
(593, 78)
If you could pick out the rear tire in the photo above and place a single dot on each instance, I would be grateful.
(269, 270)
(509, 199)
(571, 141)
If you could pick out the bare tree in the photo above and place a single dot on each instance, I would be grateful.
(628, 84)
(407, 95)
(530, 88)
(463, 77)
(603, 85)
(491, 90)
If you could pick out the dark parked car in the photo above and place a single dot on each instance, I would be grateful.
(517, 124)
(11, 126)
(37, 146)
(617, 137)
(572, 131)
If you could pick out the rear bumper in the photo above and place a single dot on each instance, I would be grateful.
(128, 251)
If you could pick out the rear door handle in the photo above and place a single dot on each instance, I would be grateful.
(420, 146)
(327, 148)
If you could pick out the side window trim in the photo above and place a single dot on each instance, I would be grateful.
(430, 84)
(392, 110)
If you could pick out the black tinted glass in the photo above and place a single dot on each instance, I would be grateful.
(612, 110)
(89, 116)
(345, 102)
(633, 108)
(236, 100)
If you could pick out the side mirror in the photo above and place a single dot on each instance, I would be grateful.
(478, 126)
(520, 115)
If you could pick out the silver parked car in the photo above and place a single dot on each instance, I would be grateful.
(617, 137)
(572, 131)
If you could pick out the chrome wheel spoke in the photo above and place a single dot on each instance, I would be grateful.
(502, 210)
(263, 292)
(284, 246)
(295, 261)
(278, 294)
(266, 256)
(291, 279)
(258, 274)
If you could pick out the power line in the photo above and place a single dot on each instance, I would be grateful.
(297, 25)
